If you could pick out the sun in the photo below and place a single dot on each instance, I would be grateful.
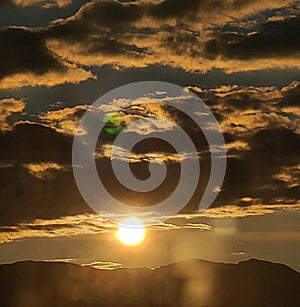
(131, 231)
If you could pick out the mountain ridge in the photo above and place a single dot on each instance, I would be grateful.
(249, 260)
(188, 283)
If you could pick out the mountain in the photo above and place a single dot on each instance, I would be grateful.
(191, 283)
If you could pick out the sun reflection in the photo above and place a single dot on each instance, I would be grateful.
(131, 231)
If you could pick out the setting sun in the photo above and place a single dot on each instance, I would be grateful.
(131, 231)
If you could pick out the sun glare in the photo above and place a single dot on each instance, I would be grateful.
(131, 231)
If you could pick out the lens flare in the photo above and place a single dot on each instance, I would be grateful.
(131, 231)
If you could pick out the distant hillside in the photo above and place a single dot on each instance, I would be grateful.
(191, 283)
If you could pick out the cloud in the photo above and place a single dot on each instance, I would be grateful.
(32, 143)
(186, 10)
(36, 162)
(260, 132)
(71, 74)
(78, 225)
(249, 109)
(22, 49)
(67, 226)
(26, 61)
(148, 33)
(265, 124)
(93, 224)
(38, 191)
(104, 265)
(233, 211)
(252, 172)
(43, 3)
(64, 120)
(290, 175)
(9, 106)
(264, 43)
(194, 35)
(240, 253)
(42, 170)
(155, 156)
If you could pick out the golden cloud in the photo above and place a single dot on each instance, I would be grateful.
(44, 169)
(167, 43)
(45, 4)
(64, 120)
(91, 224)
(94, 37)
(73, 74)
(8, 106)
(290, 175)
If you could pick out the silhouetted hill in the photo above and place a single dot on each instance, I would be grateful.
(189, 283)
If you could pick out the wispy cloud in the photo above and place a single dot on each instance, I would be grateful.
(42, 170)
(233, 211)
(104, 265)
(67, 226)
(92, 224)
(87, 224)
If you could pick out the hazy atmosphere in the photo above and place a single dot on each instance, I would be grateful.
(241, 58)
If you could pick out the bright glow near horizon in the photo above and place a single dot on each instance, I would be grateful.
(131, 231)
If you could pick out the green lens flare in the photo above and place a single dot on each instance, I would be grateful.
(113, 123)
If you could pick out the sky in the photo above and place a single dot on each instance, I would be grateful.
(240, 57)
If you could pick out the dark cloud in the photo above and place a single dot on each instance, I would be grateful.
(273, 39)
(108, 46)
(263, 155)
(5, 2)
(37, 15)
(96, 18)
(280, 146)
(183, 42)
(291, 96)
(199, 9)
(24, 197)
(24, 194)
(263, 147)
(136, 34)
(113, 14)
(175, 8)
(261, 125)
(26, 60)
(252, 173)
(32, 143)
(24, 51)
(140, 33)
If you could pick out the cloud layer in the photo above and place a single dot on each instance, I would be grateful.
(260, 126)
(93, 224)
(194, 35)
(43, 3)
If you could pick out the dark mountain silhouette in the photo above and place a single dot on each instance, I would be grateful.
(191, 283)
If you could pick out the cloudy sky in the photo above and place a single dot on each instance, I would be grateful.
(240, 57)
